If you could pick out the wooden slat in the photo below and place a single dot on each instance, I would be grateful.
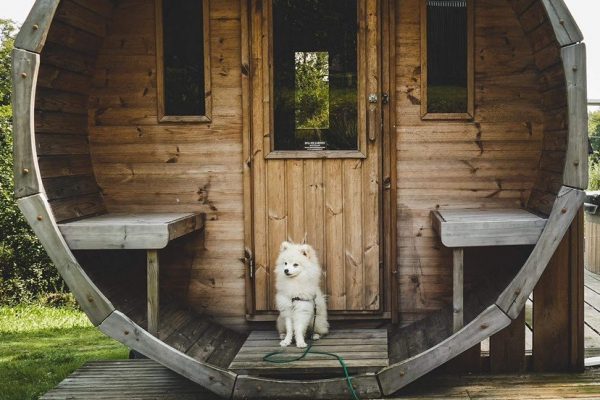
(129, 231)
(576, 163)
(468, 228)
(565, 28)
(362, 350)
(507, 348)
(277, 226)
(334, 229)
(401, 374)
(127, 332)
(25, 66)
(353, 237)
(37, 212)
(32, 35)
(249, 387)
(153, 292)
(567, 204)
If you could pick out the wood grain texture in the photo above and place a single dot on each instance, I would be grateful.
(249, 387)
(34, 30)
(503, 227)
(153, 291)
(37, 212)
(396, 376)
(121, 328)
(566, 206)
(25, 67)
(576, 162)
(129, 231)
(565, 28)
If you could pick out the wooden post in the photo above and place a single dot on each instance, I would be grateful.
(558, 307)
(457, 289)
(507, 348)
(153, 291)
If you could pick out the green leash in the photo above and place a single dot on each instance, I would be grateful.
(268, 358)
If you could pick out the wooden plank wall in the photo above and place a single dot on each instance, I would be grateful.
(67, 64)
(491, 161)
(142, 165)
(540, 34)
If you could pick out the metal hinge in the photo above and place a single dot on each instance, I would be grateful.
(251, 267)
(385, 98)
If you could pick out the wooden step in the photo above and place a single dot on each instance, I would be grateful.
(363, 350)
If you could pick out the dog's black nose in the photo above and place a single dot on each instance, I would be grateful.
(287, 271)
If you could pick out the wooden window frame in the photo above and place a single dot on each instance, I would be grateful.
(160, 67)
(362, 96)
(426, 115)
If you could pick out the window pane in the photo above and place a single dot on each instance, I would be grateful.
(183, 47)
(315, 74)
(447, 56)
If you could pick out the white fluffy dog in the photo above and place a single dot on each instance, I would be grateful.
(299, 295)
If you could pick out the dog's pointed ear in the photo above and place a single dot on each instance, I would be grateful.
(284, 246)
(308, 252)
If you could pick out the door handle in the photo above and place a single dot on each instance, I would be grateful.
(373, 122)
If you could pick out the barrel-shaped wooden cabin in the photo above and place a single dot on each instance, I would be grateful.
(434, 153)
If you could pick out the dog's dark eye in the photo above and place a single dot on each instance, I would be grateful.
(295, 265)
(285, 263)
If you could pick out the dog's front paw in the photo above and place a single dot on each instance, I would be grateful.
(285, 342)
(316, 336)
(282, 336)
(301, 344)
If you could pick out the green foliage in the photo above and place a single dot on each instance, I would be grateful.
(312, 90)
(40, 346)
(25, 270)
(594, 160)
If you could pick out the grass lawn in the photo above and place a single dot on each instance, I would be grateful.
(40, 346)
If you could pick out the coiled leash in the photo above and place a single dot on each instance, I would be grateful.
(269, 357)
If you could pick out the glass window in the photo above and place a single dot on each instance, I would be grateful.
(447, 69)
(184, 81)
(315, 74)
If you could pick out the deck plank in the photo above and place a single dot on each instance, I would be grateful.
(363, 350)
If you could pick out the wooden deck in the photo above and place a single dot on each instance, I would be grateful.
(592, 314)
(145, 380)
(363, 350)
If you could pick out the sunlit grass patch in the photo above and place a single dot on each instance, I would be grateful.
(40, 346)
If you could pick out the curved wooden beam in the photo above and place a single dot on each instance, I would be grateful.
(576, 159)
(567, 204)
(34, 31)
(565, 28)
(397, 376)
(36, 210)
(250, 387)
(25, 67)
(215, 379)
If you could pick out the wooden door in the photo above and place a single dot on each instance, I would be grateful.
(328, 197)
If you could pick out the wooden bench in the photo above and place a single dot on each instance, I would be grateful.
(150, 232)
(472, 228)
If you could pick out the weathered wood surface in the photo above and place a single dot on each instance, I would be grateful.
(363, 350)
(592, 237)
(469, 228)
(25, 67)
(506, 387)
(565, 208)
(458, 268)
(121, 328)
(576, 162)
(37, 212)
(396, 376)
(153, 291)
(248, 387)
(565, 28)
(129, 231)
(34, 31)
(127, 379)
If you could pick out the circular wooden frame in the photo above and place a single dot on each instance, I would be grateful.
(34, 204)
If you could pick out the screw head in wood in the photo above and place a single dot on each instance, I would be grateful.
(24, 75)
(35, 27)
(126, 333)
(25, 170)
(561, 21)
(402, 372)
(574, 67)
(39, 218)
(564, 211)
